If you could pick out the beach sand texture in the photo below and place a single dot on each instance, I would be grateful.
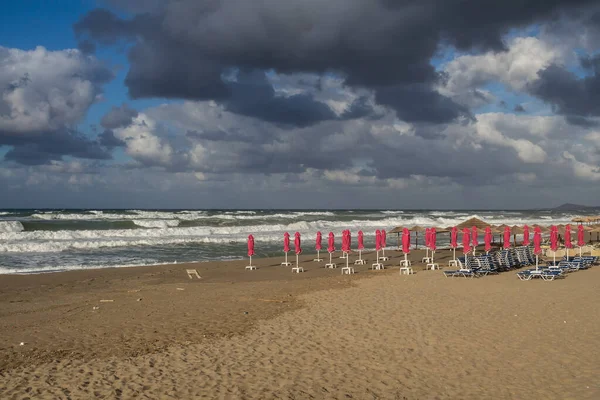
(387, 337)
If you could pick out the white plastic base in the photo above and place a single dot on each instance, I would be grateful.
(377, 266)
(433, 266)
(347, 270)
(250, 267)
(297, 269)
(330, 265)
(360, 262)
(406, 271)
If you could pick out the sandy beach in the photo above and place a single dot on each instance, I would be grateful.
(270, 334)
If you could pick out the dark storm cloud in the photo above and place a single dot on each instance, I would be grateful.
(519, 108)
(567, 93)
(51, 147)
(182, 48)
(118, 117)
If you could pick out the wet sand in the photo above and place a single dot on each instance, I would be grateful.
(268, 333)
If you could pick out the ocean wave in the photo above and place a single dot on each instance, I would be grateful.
(16, 240)
(156, 223)
(11, 226)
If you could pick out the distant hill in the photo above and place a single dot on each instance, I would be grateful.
(573, 207)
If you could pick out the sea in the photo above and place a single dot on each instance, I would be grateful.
(34, 241)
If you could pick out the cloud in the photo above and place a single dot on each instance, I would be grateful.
(44, 95)
(578, 98)
(183, 49)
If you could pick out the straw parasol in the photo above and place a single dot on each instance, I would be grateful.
(397, 230)
(417, 229)
(473, 222)
(579, 219)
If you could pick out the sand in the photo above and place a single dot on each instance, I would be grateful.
(268, 334)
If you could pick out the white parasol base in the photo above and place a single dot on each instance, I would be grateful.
(360, 261)
(331, 264)
(250, 267)
(286, 263)
(318, 259)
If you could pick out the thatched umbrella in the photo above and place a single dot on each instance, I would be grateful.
(516, 230)
(473, 222)
(579, 219)
(397, 230)
(416, 229)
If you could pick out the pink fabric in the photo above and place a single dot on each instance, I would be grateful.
(286, 242)
(318, 245)
(405, 241)
(474, 238)
(466, 240)
(331, 243)
(506, 237)
(432, 239)
(553, 238)
(346, 242)
(360, 240)
(427, 237)
(568, 243)
(297, 248)
(537, 240)
(454, 238)
(377, 240)
(580, 236)
(526, 236)
(487, 238)
(250, 245)
(383, 239)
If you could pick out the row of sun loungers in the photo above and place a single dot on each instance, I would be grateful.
(510, 259)
(553, 271)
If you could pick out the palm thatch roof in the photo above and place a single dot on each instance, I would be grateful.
(471, 222)
(417, 228)
(397, 229)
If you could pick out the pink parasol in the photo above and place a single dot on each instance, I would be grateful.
(250, 246)
(580, 236)
(432, 240)
(360, 240)
(286, 242)
(506, 237)
(537, 240)
(553, 238)
(454, 237)
(466, 240)
(346, 241)
(331, 243)
(580, 239)
(474, 238)
(427, 237)
(454, 242)
(377, 240)
(487, 239)
(537, 244)
(405, 241)
(526, 236)
(318, 245)
(568, 243)
(297, 248)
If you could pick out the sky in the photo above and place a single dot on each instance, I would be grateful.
(299, 104)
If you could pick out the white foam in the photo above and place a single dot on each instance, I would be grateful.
(16, 240)
(156, 223)
(11, 226)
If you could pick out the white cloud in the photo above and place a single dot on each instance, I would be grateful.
(46, 90)
(516, 68)
(582, 170)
